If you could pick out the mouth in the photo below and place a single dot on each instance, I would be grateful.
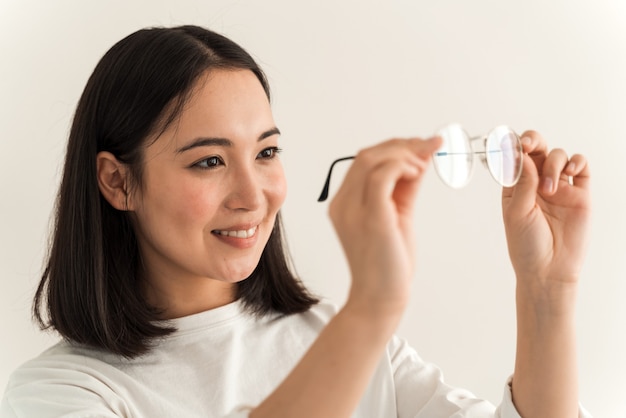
(241, 233)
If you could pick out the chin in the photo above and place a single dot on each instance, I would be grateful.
(239, 275)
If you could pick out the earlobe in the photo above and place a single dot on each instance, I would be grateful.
(113, 181)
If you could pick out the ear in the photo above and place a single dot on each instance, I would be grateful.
(113, 181)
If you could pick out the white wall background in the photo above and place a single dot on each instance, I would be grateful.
(346, 74)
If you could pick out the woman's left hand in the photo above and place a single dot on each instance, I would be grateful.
(546, 217)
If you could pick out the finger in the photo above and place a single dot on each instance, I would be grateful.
(403, 188)
(410, 148)
(382, 185)
(521, 198)
(413, 151)
(426, 147)
(367, 160)
(578, 169)
(534, 143)
(535, 146)
(374, 193)
(553, 171)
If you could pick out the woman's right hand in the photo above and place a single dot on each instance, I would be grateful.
(373, 214)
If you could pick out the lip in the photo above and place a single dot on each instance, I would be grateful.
(246, 237)
(237, 233)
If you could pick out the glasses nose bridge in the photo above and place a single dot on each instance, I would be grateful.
(478, 145)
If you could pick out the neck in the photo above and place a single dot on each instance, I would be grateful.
(181, 298)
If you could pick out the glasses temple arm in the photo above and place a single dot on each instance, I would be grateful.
(325, 189)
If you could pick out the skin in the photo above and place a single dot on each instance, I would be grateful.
(546, 220)
(372, 214)
(215, 169)
(188, 268)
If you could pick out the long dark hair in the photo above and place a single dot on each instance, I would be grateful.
(89, 291)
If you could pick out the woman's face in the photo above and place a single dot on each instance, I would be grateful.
(212, 186)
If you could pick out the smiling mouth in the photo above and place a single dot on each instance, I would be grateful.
(244, 233)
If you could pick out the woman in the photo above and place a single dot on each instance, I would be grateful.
(168, 280)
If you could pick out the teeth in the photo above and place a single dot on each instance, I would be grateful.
(239, 234)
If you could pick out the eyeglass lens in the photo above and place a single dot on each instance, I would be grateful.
(503, 151)
(502, 154)
(454, 161)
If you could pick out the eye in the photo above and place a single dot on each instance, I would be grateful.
(209, 163)
(269, 153)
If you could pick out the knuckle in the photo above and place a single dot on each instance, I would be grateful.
(396, 142)
(333, 210)
(365, 156)
(531, 134)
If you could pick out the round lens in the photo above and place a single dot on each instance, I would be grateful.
(503, 150)
(453, 161)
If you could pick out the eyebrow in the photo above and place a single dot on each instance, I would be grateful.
(222, 142)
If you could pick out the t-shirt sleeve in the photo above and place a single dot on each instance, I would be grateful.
(422, 393)
(507, 409)
(242, 412)
(55, 393)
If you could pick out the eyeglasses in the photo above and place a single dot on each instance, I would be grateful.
(500, 150)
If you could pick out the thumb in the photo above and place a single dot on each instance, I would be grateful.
(520, 199)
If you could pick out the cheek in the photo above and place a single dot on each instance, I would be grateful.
(183, 201)
(277, 189)
(195, 201)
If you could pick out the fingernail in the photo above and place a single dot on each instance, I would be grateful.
(547, 185)
(526, 140)
(571, 167)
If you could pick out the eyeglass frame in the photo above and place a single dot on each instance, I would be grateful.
(472, 140)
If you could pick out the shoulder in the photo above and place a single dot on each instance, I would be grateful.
(316, 317)
(63, 363)
(63, 378)
(319, 314)
(296, 331)
(322, 312)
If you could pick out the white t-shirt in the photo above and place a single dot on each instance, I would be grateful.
(221, 363)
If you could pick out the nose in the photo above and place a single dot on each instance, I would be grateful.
(245, 190)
